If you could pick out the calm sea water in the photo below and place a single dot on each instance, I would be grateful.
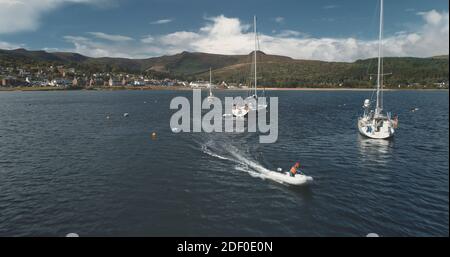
(65, 167)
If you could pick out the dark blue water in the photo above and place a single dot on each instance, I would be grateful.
(65, 168)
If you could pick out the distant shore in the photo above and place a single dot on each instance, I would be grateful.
(176, 88)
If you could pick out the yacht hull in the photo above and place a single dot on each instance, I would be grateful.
(368, 128)
(243, 112)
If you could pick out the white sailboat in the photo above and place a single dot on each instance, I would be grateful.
(375, 123)
(210, 96)
(251, 102)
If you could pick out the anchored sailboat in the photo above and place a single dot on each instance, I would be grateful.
(210, 96)
(251, 102)
(374, 123)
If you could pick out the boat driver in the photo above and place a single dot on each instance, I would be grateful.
(295, 169)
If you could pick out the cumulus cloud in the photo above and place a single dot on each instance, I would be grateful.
(224, 35)
(25, 15)
(429, 40)
(9, 46)
(91, 47)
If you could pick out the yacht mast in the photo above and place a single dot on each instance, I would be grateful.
(379, 107)
(256, 48)
(210, 84)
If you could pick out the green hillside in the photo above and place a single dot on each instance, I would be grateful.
(296, 73)
(275, 71)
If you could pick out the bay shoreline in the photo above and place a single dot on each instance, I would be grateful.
(175, 88)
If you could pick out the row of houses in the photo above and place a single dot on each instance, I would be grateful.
(13, 81)
(61, 76)
(144, 82)
(204, 84)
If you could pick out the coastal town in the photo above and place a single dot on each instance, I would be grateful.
(61, 77)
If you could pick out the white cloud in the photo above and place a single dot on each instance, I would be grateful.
(432, 17)
(76, 38)
(291, 33)
(90, 47)
(148, 39)
(25, 15)
(162, 21)
(279, 19)
(223, 35)
(178, 37)
(51, 49)
(10, 46)
(110, 37)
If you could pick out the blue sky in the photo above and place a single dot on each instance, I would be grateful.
(322, 29)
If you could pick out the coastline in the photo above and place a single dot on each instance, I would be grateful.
(177, 88)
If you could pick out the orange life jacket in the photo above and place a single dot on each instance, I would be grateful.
(294, 170)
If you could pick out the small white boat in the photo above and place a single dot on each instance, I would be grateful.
(285, 178)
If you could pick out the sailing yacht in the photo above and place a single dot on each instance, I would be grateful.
(251, 102)
(375, 123)
(210, 96)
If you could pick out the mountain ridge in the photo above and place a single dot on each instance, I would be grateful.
(276, 70)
